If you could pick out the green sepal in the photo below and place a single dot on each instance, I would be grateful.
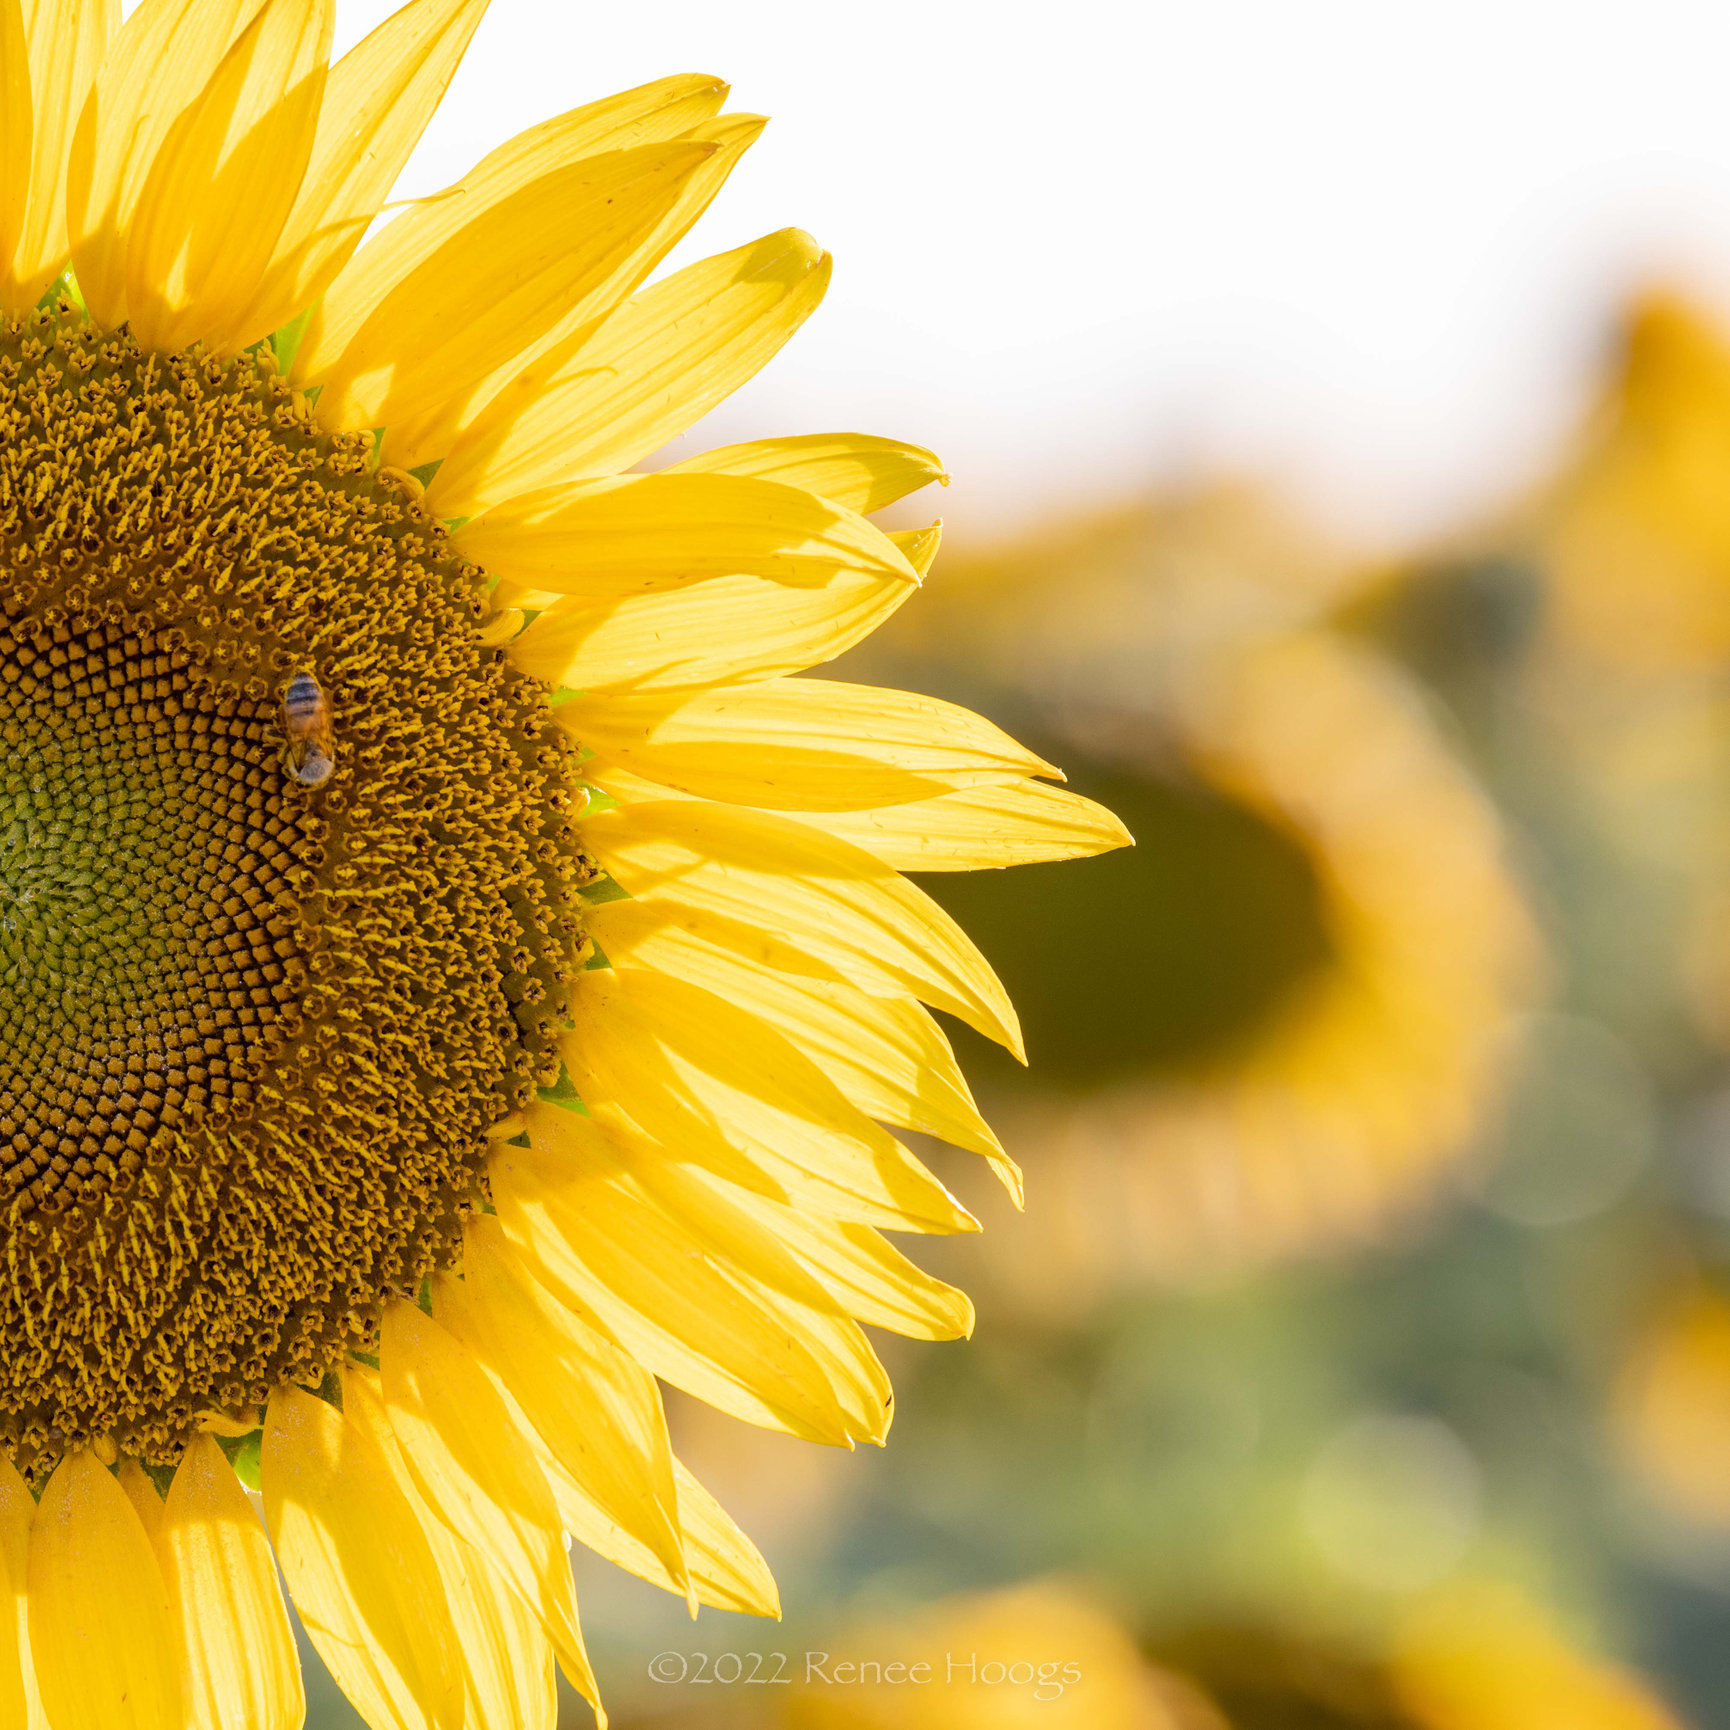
(285, 341)
(243, 1453)
(603, 890)
(563, 1093)
(64, 286)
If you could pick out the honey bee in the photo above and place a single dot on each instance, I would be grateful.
(311, 756)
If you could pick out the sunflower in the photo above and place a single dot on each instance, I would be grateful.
(1633, 543)
(1475, 1654)
(453, 974)
(1341, 1105)
(1044, 1652)
(1671, 1408)
(1480, 1654)
(1635, 534)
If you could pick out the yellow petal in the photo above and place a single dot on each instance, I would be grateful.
(811, 890)
(710, 1216)
(702, 1075)
(159, 64)
(826, 1265)
(865, 1275)
(507, 1657)
(854, 470)
(142, 1494)
(655, 367)
(730, 136)
(582, 1519)
(728, 1569)
(597, 1410)
(919, 546)
(883, 1051)
(19, 1705)
(377, 102)
(598, 1242)
(237, 1660)
(358, 1565)
(667, 108)
(976, 828)
(724, 629)
(724, 1228)
(510, 270)
(654, 114)
(630, 534)
(799, 744)
(67, 39)
(17, 141)
(885, 1054)
(705, 1207)
(224, 181)
(507, 1660)
(477, 1474)
(100, 1632)
(725, 139)
(721, 1566)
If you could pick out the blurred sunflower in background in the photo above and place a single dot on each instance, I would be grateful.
(1296, 997)
(1045, 1653)
(453, 974)
(1481, 1655)
(1635, 532)
(1477, 1655)
(1626, 673)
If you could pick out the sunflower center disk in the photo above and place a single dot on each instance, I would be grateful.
(149, 945)
(252, 1035)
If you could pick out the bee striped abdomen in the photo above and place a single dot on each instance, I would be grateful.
(311, 757)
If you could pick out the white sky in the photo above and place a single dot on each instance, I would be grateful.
(1370, 247)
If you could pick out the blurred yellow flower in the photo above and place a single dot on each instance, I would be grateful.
(1482, 1656)
(1636, 537)
(1471, 1656)
(1102, 608)
(1632, 544)
(1029, 1656)
(1672, 1407)
(1278, 1676)
(1183, 645)
(1378, 1062)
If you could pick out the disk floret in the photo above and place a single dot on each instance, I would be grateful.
(252, 1035)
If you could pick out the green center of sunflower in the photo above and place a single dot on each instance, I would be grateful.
(149, 948)
(1225, 910)
(252, 1034)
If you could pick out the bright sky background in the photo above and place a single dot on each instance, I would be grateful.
(1371, 249)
